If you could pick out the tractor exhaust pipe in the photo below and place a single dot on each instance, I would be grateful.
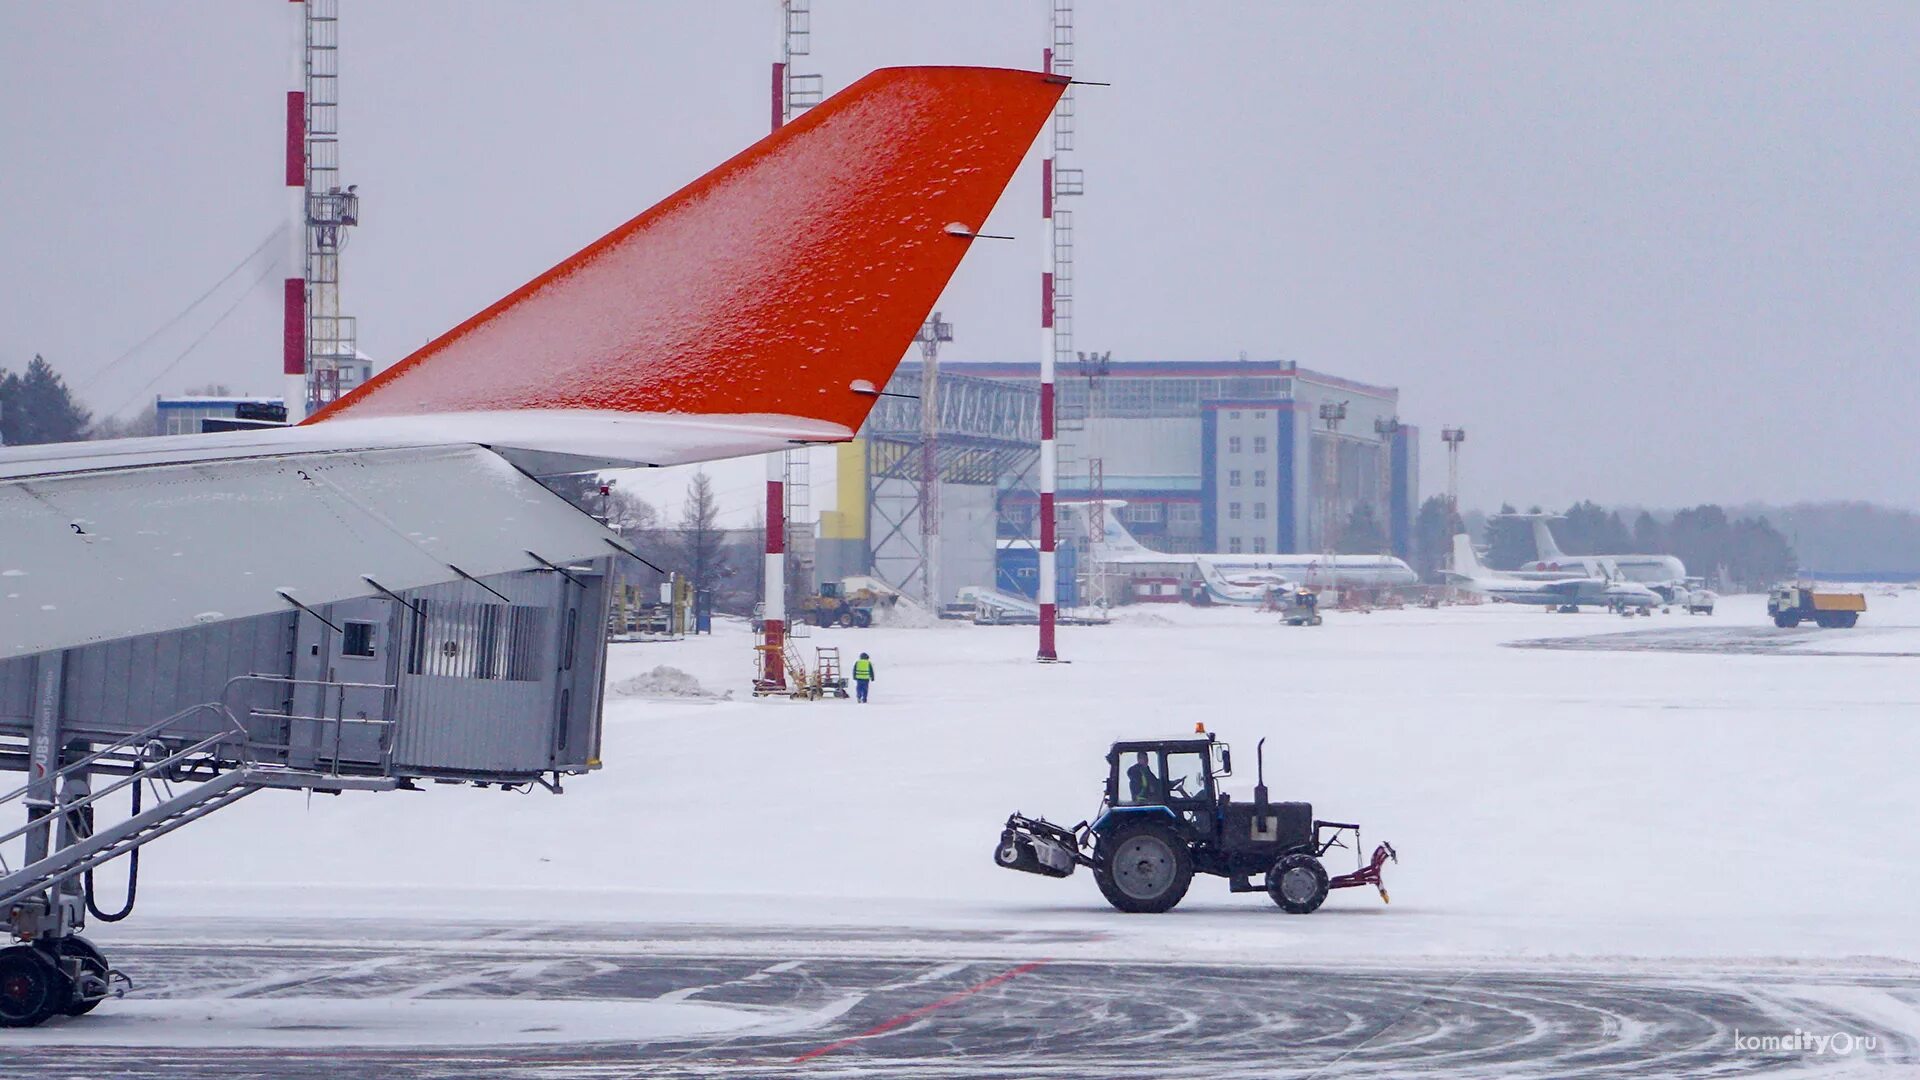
(1260, 778)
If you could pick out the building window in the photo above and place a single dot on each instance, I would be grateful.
(1144, 511)
(1233, 546)
(1233, 511)
(1233, 477)
(1234, 415)
(1259, 478)
(1259, 511)
(1260, 415)
(1185, 513)
(1259, 444)
(1259, 545)
(1233, 444)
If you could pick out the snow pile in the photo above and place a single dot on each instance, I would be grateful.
(904, 614)
(662, 682)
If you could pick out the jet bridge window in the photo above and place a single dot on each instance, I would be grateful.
(458, 640)
(356, 638)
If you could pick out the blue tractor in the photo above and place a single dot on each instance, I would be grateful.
(1165, 818)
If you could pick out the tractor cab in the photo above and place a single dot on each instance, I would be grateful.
(1177, 774)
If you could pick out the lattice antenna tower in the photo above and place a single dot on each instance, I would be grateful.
(331, 210)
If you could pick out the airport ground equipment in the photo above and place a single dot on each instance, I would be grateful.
(1154, 832)
(838, 605)
(1297, 606)
(1790, 605)
(1699, 600)
(493, 681)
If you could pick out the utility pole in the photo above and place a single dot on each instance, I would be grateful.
(930, 336)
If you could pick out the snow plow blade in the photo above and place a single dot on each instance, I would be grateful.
(1038, 846)
(1370, 873)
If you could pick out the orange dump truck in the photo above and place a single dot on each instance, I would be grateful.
(1791, 604)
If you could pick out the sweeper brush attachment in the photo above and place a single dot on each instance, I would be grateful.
(1038, 846)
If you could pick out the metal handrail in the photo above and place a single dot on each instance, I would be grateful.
(127, 742)
(339, 721)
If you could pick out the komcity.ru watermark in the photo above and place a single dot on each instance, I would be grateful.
(1839, 1043)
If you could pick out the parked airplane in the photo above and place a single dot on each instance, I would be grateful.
(1663, 574)
(1242, 578)
(1535, 587)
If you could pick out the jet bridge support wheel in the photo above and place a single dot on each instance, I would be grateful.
(92, 963)
(31, 988)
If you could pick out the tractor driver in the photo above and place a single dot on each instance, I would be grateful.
(1142, 785)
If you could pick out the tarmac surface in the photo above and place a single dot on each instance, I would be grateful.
(952, 1010)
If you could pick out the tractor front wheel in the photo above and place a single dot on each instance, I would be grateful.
(1298, 883)
(1143, 868)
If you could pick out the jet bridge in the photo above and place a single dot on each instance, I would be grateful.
(493, 680)
(190, 634)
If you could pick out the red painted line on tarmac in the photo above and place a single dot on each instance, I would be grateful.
(908, 1017)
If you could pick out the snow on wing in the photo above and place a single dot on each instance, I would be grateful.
(771, 285)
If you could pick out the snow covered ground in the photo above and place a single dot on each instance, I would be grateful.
(1568, 803)
(1683, 808)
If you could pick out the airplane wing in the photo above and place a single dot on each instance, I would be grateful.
(761, 306)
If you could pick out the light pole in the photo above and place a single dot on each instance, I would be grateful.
(1332, 414)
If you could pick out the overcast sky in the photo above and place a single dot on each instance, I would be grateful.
(1658, 254)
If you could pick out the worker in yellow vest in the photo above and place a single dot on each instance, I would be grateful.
(862, 676)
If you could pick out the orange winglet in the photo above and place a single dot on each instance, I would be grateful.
(789, 280)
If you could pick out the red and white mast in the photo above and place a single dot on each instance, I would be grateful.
(773, 607)
(1049, 595)
(790, 92)
(293, 330)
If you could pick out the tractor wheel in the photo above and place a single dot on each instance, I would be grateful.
(1786, 622)
(1017, 855)
(1846, 619)
(1298, 883)
(75, 947)
(31, 988)
(1143, 868)
(845, 619)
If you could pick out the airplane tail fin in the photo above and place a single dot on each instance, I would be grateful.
(787, 282)
(1465, 562)
(1544, 547)
(1113, 539)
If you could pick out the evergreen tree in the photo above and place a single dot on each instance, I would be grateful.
(37, 407)
(1362, 534)
(702, 554)
(1433, 531)
(1648, 537)
(1509, 539)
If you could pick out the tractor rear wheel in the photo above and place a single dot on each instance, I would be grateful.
(1298, 883)
(31, 988)
(1143, 868)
